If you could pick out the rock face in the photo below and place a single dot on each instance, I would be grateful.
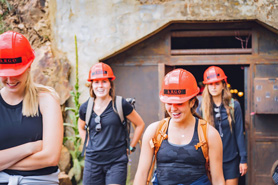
(64, 166)
(64, 163)
(31, 19)
(64, 179)
(51, 71)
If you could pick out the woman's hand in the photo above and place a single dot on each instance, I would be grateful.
(243, 168)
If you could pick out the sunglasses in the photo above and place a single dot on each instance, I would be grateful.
(217, 115)
(98, 126)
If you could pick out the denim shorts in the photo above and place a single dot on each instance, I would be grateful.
(114, 173)
(231, 169)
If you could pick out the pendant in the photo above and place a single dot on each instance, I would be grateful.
(182, 135)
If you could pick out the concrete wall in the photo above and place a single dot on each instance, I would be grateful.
(104, 26)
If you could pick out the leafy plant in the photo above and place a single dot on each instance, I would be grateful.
(7, 4)
(3, 3)
(77, 159)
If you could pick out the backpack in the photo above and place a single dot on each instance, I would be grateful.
(119, 111)
(160, 135)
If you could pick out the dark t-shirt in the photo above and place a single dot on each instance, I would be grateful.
(109, 144)
(180, 164)
(16, 129)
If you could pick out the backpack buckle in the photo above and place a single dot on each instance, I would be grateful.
(198, 145)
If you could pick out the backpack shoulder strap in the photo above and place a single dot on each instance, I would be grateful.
(89, 110)
(156, 141)
(119, 107)
(160, 134)
(87, 122)
(232, 110)
(203, 140)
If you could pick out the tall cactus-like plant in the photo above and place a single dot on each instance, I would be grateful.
(77, 159)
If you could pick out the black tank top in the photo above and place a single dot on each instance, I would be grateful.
(16, 129)
(180, 164)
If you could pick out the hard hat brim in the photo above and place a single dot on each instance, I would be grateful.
(215, 80)
(16, 70)
(176, 99)
(112, 78)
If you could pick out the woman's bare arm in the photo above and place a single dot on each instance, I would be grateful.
(215, 156)
(146, 155)
(52, 136)
(10, 156)
(136, 119)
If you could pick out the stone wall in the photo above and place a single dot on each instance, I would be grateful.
(103, 27)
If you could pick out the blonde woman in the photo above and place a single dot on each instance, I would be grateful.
(31, 129)
(224, 113)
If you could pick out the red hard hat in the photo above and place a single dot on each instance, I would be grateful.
(101, 71)
(178, 86)
(16, 54)
(214, 74)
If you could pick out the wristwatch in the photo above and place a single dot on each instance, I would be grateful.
(132, 149)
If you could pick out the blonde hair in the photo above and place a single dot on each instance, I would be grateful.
(207, 104)
(31, 96)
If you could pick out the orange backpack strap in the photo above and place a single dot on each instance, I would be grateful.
(203, 140)
(156, 141)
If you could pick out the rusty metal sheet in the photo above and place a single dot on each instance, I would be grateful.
(266, 126)
(265, 153)
(266, 95)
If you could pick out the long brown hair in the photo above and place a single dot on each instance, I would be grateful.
(207, 104)
(193, 109)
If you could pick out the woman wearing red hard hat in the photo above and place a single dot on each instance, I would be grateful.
(176, 142)
(101, 121)
(221, 111)
(31, 126)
